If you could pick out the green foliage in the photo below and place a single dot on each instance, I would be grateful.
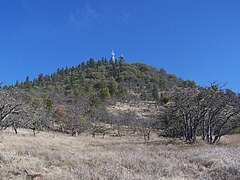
(162, 71)
(48, 104)
(237, 131)
(68, 90)
(143, 95)
(189, 83)
(36, 103)
(27, 83)
(91, 63)
(214, 87)
(121, 91)
(119, 77)
(162, 82)
(105, 94)
(40, 79)
(165, 99)
(16, 84)
(88, 87)
(28, 98)
(82, 120)
(112, 87)
(94, 102)
(155, 93)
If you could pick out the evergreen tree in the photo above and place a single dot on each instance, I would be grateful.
(100, 63)
(91, 63)
(155, 93)
(27, 83)
(94, 102)
(66, 70)
(41, 79)
(112, 87)
(121, 90)
(48, 104)
(143, 95)
(82, 66)
(162, 71)
(105, 92)
(162, 82)
(16, 84)
(114, 70)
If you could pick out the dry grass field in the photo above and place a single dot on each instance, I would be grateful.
(59, 156)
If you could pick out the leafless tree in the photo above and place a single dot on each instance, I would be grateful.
(10, 108)
(209, 112)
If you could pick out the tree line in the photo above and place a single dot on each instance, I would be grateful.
(208, 113)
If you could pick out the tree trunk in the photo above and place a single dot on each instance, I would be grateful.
(14, 128)
(203, 130)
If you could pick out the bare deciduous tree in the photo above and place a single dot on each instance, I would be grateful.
(209, 112)
(10, 107)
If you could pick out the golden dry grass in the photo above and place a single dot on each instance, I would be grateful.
(58, 156)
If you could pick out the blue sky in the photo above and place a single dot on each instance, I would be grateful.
(194, 39)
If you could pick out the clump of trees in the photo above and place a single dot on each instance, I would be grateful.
(206, 112)
(10, 110)
(106, 79)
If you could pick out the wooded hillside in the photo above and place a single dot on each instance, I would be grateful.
(115, 97)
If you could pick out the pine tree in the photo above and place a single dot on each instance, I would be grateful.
(91, 63)
(94, 102)
(27, 83)
(162, 71)
(16, 84)
(143, 95)
(155, 93)
(41, 79)
(48, 104)
(112, 87)
(82, 66)
(105, 94)
(121, 90)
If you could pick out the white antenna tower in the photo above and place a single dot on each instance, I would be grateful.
(113, 55)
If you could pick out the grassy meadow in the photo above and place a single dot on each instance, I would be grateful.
(59, 156)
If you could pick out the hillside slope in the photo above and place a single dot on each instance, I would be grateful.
(72, 97)
(106, 78)
(111, 97)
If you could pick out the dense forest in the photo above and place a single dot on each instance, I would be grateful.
(102, 76)
(88, 97)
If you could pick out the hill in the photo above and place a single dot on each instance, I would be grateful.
(117, 98)
(89, 88)
(106, 78)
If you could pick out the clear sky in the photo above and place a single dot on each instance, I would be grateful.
(194, 39)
